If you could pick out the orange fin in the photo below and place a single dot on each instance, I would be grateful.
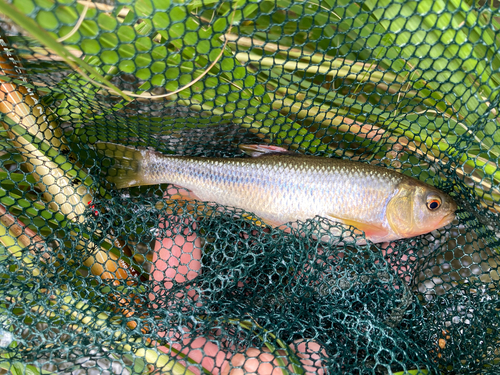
(254, 220)
(179, 193)
(180, 198)
(371, 231)
(261, 222)
(259, 150)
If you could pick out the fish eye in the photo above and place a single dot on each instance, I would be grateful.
(433, 203)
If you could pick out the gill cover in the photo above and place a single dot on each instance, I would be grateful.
(399, 211)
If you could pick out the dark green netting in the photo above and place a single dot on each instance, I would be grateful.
(136, 282)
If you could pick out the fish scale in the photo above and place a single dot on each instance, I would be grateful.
(280, 188)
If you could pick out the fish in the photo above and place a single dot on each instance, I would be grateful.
(280, 187)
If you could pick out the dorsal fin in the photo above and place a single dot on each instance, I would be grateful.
(261, 150)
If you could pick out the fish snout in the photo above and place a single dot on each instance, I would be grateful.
(448, 218)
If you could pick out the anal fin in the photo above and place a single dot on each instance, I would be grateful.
(262, 222)
(176, 192)
(179, 200)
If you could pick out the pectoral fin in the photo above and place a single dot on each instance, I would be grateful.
(372, 232)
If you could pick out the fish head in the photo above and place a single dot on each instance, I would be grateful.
(417, 208)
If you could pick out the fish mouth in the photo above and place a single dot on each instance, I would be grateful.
(448, 219)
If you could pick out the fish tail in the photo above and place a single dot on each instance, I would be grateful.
(128, 167)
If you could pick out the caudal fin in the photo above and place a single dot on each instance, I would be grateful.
(127, 169)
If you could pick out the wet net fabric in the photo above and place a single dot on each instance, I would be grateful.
(99, 280)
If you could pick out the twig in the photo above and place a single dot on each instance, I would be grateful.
(76, 27)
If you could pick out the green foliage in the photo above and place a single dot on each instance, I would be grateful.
(413, 85)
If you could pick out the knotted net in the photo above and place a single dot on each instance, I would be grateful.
(100, 280)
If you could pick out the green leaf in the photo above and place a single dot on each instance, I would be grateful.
(127, 66)
(47, 20)
(107, 22)
(143, 8)
(90, 47)
(161, 4)
(41, 35)
(25, 6)
(110, 57)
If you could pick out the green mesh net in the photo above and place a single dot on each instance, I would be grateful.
(100, 280)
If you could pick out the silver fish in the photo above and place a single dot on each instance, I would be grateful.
(279, 187)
